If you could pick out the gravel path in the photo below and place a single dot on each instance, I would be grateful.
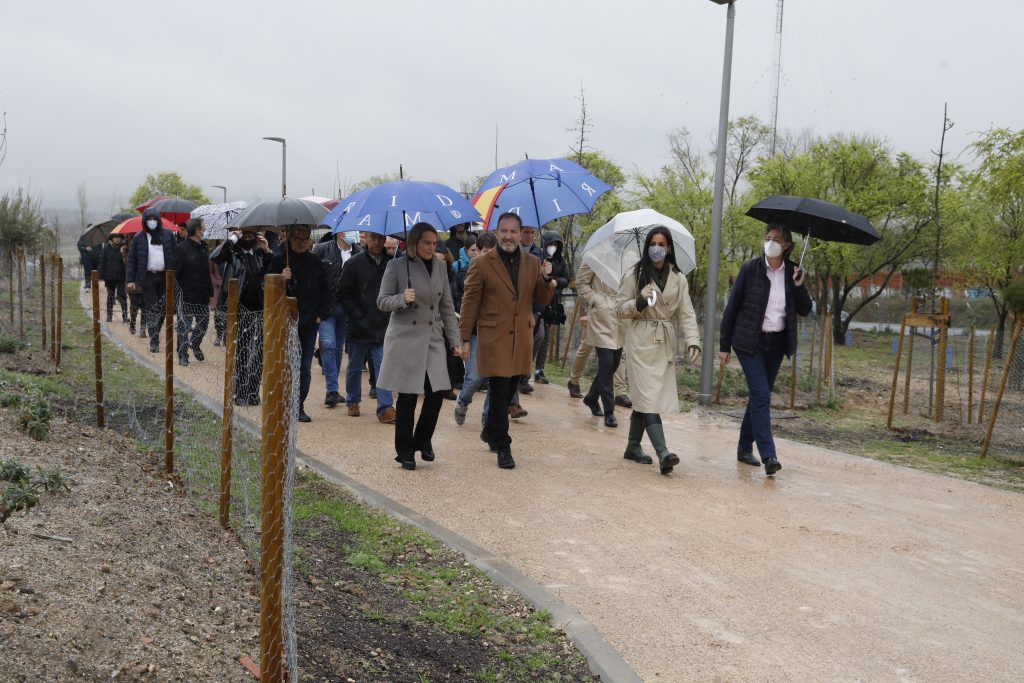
(839, 568)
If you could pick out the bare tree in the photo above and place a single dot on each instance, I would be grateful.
(3, 137)
(83, 204)
(581, 130)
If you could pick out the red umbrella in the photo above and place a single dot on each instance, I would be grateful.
(142, 207)
(134, 225)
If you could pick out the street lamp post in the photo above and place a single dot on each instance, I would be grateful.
(221, 187)
(284, 165)
(707, 369)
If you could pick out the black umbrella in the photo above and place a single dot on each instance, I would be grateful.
(277, 214)
(123, 216)
(97, 233)
(815, 218)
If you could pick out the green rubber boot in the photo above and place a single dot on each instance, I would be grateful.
(656, 433)
(634, 451)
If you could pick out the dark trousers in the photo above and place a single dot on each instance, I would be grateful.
(760, 369)
(115, 290)
(220, 321)
(407, 439)
(153, 300)
(307, 344)
(248, 357)
(456, 368)
(134, 309)
(499, 396)
(607, 363)
(193, 321)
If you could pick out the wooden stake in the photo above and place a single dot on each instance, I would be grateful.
(970, 374)
(821, 356)
(169, 370)
(829, 349)
(718, 384)
(910, 360)
(896, 373)
(51, 263)
(42, 295)
(10, 282)
(60, 308)
(21, 293)
(1002, 384)
(275, 417)
(97, 350)
(226, 435)
(984, 375)
(940, 369)
(792, 375)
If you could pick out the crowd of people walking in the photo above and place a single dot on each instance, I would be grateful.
(468, 314)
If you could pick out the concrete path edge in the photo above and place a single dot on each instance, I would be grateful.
(603, 659)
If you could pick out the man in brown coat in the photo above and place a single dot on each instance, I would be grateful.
(502, 287)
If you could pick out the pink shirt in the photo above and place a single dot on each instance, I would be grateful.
(775, 313)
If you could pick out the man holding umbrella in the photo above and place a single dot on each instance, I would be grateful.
(502, 288)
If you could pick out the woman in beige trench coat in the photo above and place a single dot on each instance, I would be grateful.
(651, 331)
(415, 291)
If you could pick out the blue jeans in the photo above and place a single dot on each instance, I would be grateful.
(760, 369)
(307, 343)
(332, 343)
(357, 354)
(472, 382)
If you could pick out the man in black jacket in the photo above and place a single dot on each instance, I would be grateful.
(245, 257)
(151, 253)
(307, 282)
(192, 271)
(334, 253)
(367, 325)
(552, 315)
(111, 271)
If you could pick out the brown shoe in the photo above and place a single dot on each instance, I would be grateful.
(623, 401)
(387, 416)
(516, 411)
(353, 410)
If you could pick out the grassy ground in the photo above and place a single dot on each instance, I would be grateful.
(376, 600)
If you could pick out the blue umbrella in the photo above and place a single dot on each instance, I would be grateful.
(392, 208)
(541, 190)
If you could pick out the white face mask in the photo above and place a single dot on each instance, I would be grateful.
(551, 249)
(772, 249)
(151, 224)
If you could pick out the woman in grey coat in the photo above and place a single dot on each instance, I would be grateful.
(415, 291)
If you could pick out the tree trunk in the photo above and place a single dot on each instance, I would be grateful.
(997, 349)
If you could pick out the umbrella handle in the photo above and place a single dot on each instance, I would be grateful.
(653, 298)
(804, 251)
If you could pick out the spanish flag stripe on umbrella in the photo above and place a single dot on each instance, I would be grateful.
(484, 202)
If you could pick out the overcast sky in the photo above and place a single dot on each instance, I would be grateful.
(105, 92)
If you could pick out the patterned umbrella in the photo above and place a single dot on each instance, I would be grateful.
(217, 216)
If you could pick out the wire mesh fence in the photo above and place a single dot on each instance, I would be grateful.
(249, 484)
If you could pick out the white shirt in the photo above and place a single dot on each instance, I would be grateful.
(155, 263)
(346, 254)
(775, 313)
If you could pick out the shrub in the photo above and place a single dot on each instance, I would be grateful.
(9, 344)
(34, 418)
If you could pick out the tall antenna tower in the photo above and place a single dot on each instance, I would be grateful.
(776, 75)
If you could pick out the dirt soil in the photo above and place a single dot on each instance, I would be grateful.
(147, 588)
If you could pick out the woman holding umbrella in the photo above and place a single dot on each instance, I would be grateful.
(655, 299)
(760, 323)
(415, 357)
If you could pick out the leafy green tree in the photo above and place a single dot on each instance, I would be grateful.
(168, 183)
(575, 230)
(22, 223)
(990, 231)
(865, 176)
(375, 180)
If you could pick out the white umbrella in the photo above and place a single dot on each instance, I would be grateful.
(217, 216)
(615, 247)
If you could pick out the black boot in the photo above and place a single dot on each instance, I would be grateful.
(634, 451)
(656, 433)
